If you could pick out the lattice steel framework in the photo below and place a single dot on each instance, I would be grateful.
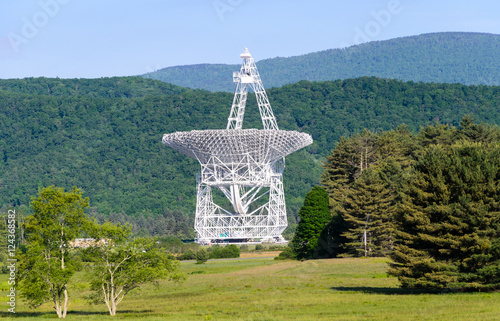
(246, 165)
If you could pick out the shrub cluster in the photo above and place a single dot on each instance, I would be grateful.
(214, 252)
(226, 252)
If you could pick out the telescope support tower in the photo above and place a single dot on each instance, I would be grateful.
(244, 166)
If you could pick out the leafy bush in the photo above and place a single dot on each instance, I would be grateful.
(230, 251)
(4, 269)
(276, 247)
(286, 254)
(259, 247)
(201, 256)
(188, 255)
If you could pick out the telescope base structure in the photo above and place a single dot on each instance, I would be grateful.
(214, 224)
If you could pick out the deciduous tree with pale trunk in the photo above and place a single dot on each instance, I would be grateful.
(122, 264)
(45, 270)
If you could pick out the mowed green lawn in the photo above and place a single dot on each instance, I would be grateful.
(264, 289)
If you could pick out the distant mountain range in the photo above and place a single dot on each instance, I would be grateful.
(449, 57)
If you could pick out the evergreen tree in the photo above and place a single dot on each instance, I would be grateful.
(398, 145)
(438, 134)
(448, 224)
(314, 216)
(391, 153)
(471, 131)
(367, 212)
(338, 172)
(331, 239)
(353, 155)
(365, 151)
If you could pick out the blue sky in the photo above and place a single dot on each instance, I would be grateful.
(91, 39)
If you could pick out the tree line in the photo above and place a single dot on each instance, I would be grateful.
(430, 201)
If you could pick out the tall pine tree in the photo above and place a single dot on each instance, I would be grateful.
(448, 224)
(339, 172)
(367, 212)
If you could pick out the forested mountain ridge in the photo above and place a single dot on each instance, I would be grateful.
(448, 57)
(110, 145)
(114, 87)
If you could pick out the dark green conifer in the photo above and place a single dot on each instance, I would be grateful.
(438, 134)
(449, 220)
(367, 212)
(338, 173)
(314, 216)
(480, 133)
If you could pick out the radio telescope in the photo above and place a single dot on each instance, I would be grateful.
(246, 165)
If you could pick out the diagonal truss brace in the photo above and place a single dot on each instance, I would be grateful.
(248, 76)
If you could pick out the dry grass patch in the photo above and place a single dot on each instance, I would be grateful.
(263, 254)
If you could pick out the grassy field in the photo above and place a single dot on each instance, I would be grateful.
(264, 289)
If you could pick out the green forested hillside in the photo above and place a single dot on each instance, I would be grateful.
(450, 57)
(108, 142)
(115, 87)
